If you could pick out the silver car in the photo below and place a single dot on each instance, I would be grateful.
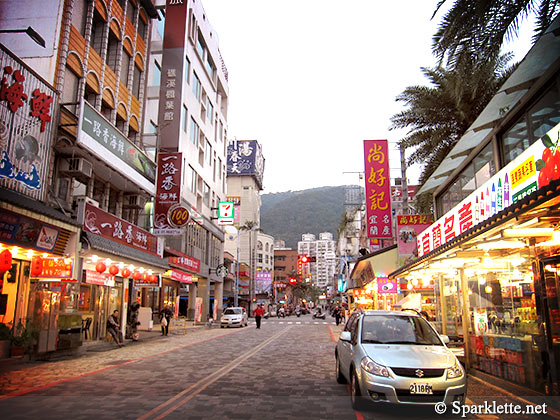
(397, 357)
(234, 317)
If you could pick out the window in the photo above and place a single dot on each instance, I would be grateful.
(157, 74)
(196, 87)
(208, 153)
(160, 23)
(200, 45)
(136, 82)
(130, 11)
(152, 128)
(184, 120)
(206, 194)
(97, 27)
(531, 126)
(141, 28)
(210, 67)
(70, 87)
(209, 110)
(195, 132)
(125, 65)
(79, 14)
(112, 51)
(191, 179)
(187, 69)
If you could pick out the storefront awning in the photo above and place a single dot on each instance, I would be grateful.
(115, 248)
(379, 262)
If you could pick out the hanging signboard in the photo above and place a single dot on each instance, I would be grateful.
(531, 170)
(169, 215)
(386, 285)
(54, 268)
(378, 189)
(408, 228)
(27, 107)
(226, 211)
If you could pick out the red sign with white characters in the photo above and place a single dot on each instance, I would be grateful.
(111, 227)
(187, 262)
(55, 268)
(378, 189)
(168, 192)
(181, 277)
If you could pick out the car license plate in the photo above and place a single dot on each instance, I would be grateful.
(423, 389)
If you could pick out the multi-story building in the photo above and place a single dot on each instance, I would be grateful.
(321, 271)
(94, 177)
(245, 168)
(285, 267)
(186, 112)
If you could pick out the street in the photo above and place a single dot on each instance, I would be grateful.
(284, 370)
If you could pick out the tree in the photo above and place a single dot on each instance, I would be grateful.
(438, 115)
(479, 28)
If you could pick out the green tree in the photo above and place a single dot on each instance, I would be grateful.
(438, 115)
(479, 28)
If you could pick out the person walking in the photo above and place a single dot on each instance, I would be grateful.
(113, 328)
(337, 315)
(259, 312)
(165, 318)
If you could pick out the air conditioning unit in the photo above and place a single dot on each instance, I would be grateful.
(76, 167)
(134, 202)
(83, 198)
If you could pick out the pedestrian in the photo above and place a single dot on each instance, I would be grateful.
(259, 312)
(133, 321)
(113, 328)
(337, 315)
(165, 318)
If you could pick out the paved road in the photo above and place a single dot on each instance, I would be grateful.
(285, 370)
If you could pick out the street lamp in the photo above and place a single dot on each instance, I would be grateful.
(30, 32)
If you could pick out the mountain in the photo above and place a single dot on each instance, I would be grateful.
(288, 215)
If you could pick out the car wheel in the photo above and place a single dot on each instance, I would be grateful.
(355, 393)
(339, 376)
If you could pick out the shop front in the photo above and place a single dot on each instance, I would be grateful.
(181, 282)
(120, 265)
(493, 261)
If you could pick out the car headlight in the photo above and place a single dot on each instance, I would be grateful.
(456, 371)
(374, 368)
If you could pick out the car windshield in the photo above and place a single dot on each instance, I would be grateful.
(398, 329)
(232, 311)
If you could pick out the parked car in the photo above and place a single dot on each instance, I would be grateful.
(234, 317)
(397, 357)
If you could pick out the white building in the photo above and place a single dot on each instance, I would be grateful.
(322, 271)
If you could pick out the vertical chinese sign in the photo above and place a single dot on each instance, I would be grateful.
(27, 106)
(378, 189)
(168, 191)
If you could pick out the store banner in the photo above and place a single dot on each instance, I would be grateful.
(531, 170)
(181, 277)
(26, 232)
(168, 194)
(263, 282)
(104, 224)
(378, 189)
(58, 268)
(408, 228)
(100, 279)
(244, 157)
(186, 262)
(386, 285)
(27, 125)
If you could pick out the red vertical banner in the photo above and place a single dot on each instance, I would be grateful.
(378, 189)
(168, 191)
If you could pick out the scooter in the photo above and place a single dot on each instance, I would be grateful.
(298, 312)
(281, 313)
(319, 315)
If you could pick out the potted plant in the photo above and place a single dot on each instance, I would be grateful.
(20, 340)
(5, 341)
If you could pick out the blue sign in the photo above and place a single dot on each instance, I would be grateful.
(244, 157)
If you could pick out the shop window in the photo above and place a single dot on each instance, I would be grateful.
(85, 302)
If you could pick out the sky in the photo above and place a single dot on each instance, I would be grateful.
(311, 79)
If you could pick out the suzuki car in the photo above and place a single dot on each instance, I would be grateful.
(234, 317)
(397, 357)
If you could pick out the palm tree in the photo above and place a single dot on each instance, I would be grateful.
(480, 27)
(438, 115)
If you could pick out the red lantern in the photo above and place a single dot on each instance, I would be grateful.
(145, 276)
(153, 278)
(126, 273)
(100, 267)
(136, 275)
(5, 260)
(114, 270)
(36, 266)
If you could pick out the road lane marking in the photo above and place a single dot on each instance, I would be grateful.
(332, 335)
(201, 385)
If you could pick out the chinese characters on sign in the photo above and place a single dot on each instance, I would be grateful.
(409, 228)
(26, 128)
(55, 268)
(186, 262)
(168, 191)
(170, 85)
(111, 227)
(244, 157)
(378, 189)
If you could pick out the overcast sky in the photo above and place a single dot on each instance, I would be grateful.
(311, 79)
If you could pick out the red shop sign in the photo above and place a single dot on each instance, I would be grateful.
(111, 227)
(187, 262)
(180, 276)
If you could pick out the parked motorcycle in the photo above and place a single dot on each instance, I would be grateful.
(281, 313)
(319, 315)
(298, 312)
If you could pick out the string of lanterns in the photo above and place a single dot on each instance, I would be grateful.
(101, 267)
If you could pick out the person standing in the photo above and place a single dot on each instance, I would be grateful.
(113, 328)
(337, 315)
(259, 312)
(133, 321)
(165, 318)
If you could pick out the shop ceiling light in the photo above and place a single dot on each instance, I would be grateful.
(555, 241)
(501, 245)
(527, 232)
